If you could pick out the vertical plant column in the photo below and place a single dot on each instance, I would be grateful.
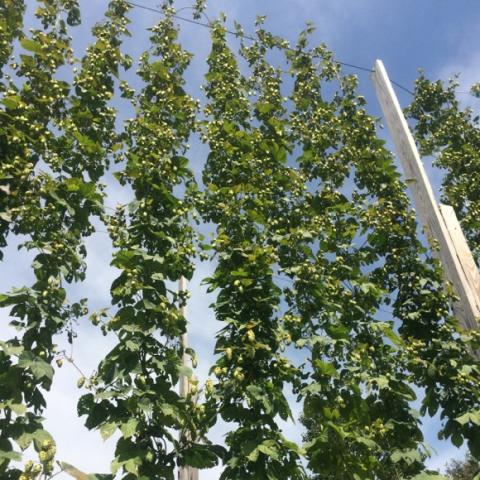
(241, 192)
(134, 389)
(437, 353)
(368, 257)
(52, 210)
(357, 401)
(27, 109)
(38, 311)
(90, 140)
(11, 23)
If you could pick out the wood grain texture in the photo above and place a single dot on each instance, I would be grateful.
(185, 473)
(184, 384)
(468, 309)
(464, 253)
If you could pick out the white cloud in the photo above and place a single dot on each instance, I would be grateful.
(466, 64)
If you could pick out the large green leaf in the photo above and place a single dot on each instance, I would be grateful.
(36, 365)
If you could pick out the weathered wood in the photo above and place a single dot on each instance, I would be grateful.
(185, 473)
(464, 254)
(468, 309)
(461, 246)
(184, 383)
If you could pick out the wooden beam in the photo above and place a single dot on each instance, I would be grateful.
(185, 473)
(468, 308)
(184, 384)
(464, 254)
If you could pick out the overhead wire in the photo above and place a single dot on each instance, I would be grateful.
(175, 15)
(402, 87)
(249, 37)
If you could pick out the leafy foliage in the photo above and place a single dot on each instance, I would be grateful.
(134, 387)
(11, 23)
(242, 177)
(323, 289)
(50, 202)
(355, 253)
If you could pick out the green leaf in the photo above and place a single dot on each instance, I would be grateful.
(39, 436)
(32, 433)
(5, 216)
(473, 417)
(269, 448)
(457, 439)
(338, 332)
(429, 476)
(367, 442)
(18, 408)
(101, 45)
(199, 456)
(7, 347)
(408, 456)
(265, 107)
(107, 430)
(11, 102)
(87, 143)
(10, 455)
(129, 428)
(132, 464)
(160, 69)
(184, 370)
(325, 368)
(39, 367)
(31, 45)
(124, 258)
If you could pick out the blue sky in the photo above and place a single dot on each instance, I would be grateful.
(439, 36)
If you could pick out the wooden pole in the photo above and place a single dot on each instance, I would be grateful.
(185, 473)
(461, 246)
(184, 385)
(456, 258)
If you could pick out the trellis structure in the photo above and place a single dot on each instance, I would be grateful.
(356, 386)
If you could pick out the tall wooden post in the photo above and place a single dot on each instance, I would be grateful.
(440, 222)
(185, 473)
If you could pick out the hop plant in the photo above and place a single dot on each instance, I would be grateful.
(475, 90)
(32, 471)
(46, 455)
